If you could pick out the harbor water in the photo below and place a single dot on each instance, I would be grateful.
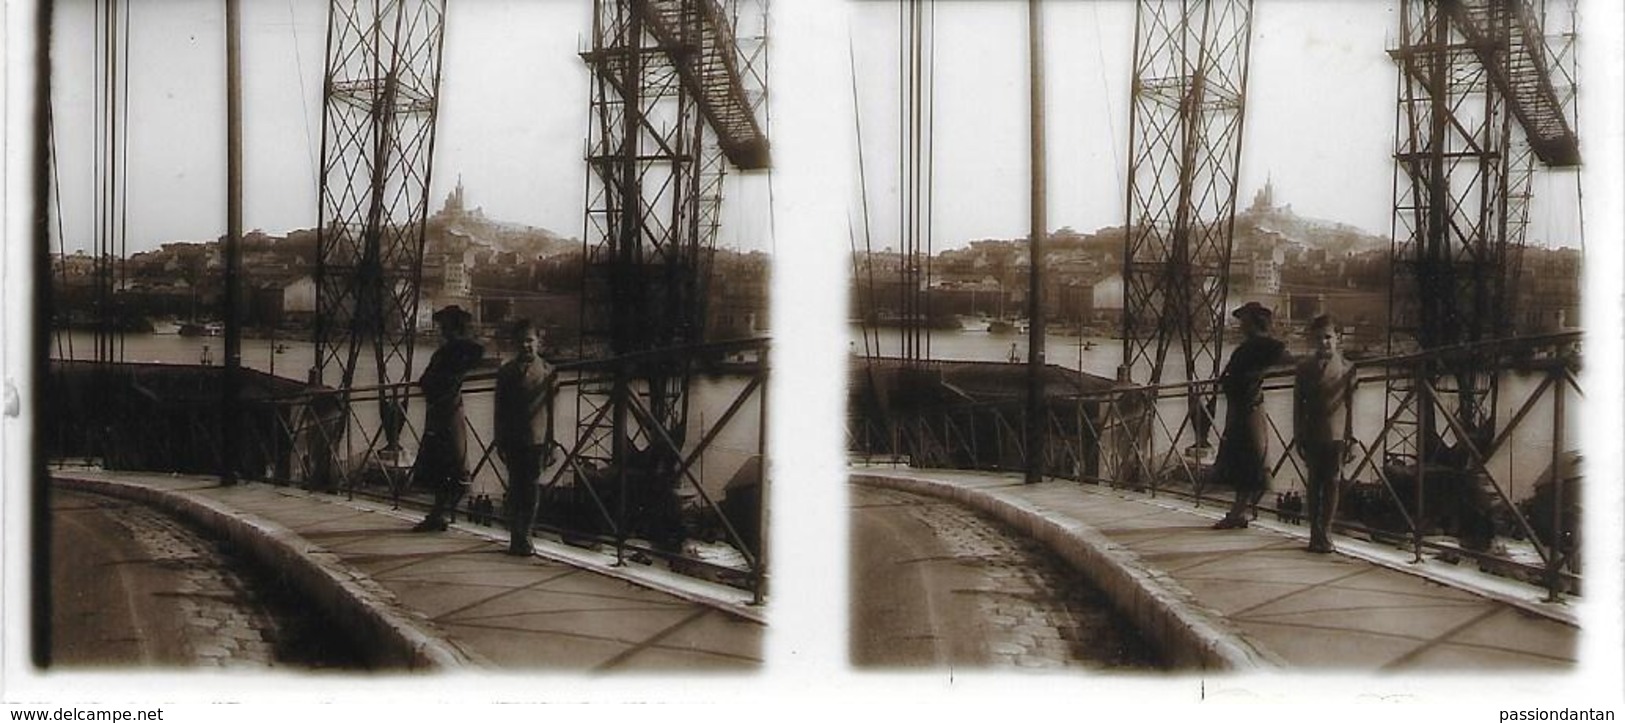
(709, 399)
(1516, 467)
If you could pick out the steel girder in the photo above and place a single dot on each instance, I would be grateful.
(1188, 106)
(1472, 119)
(1190, 78)
(677, 96)
(378, 130)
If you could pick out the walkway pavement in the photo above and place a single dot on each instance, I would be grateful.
(452, 599)
(1253, 598)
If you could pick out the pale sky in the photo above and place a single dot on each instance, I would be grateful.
(514, 114)
(1320, 119)
(513, 119)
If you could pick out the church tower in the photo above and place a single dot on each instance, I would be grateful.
(454, 201)
(1264, 200)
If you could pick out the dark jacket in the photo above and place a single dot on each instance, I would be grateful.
(1243, 450)
(523, 409)
(1321, 393)
(445, 436)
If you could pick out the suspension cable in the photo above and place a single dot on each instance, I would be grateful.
(98, 176)
(902, 178)
(61, 232)
(1574, 80)
(124, 166)
(304, 105)
(930, 164)
(104, 216)
(1119, 169)
(852, 242)
(914, 94)
(111, 150)
(863, 194)
(767, 124)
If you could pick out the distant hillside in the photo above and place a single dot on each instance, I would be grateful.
(526, 241)
(457, 219)
(1262, 225)
(1336, 239)
(1252, 227)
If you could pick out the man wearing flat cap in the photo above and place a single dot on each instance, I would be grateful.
(1243, 449)
(442, 459)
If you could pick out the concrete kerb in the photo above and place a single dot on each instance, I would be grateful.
(1191, 635)
(390, 634)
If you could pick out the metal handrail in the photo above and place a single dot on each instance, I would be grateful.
(1124, 433)
(335, 440)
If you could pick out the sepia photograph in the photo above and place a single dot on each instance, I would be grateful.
(422, 336)
(982, 359)
(1230, 335)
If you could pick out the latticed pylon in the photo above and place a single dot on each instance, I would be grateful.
(677, 98)
(378, 126)
(1188, 105)
(1480, 98)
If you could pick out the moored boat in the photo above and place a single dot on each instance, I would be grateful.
(974, 323)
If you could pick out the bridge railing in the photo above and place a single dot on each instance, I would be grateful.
(1511, 505)
(364, 441)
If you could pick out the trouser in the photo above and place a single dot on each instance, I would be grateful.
(447, 493)
(1325, 463)
(524, 471)
(1245, 498)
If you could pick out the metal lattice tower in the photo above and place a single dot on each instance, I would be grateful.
(1481, 97)
(1188, 105)
(378, 127)
(677, 96)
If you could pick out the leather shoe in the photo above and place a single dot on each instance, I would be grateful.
(431, 524)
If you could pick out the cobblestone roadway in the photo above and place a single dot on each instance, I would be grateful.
(132, 586)
(1019, 605)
